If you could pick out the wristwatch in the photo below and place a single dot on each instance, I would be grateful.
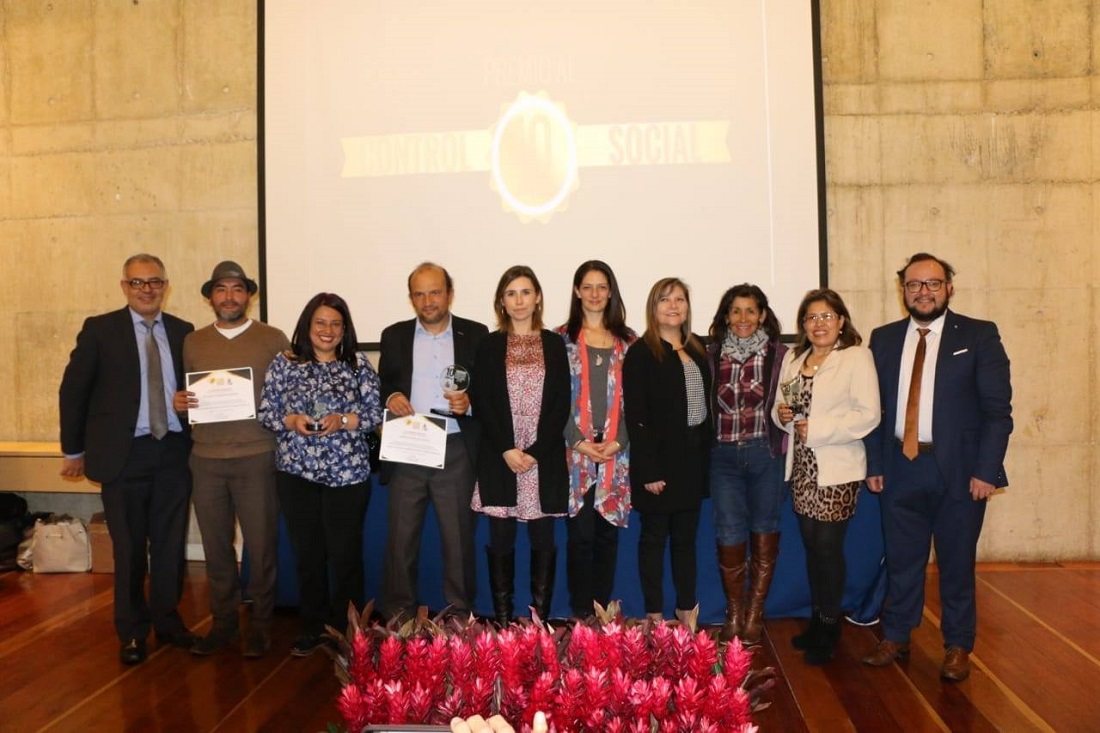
(343, 420)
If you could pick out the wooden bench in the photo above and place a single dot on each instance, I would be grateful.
(26, 466)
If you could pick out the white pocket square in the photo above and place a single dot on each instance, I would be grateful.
(960, 351)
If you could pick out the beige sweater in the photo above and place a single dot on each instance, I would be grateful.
(207, 349)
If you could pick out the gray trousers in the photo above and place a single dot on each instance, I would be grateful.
(449, 490)
(224, 491)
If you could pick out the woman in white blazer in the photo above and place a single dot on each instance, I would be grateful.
(828, 401)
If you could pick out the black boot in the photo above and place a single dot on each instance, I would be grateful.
(543, 565)
(823, 652)
(812, 636)
(502, 578)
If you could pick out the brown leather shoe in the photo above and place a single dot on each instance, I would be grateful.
(886, 653)
(956, 664)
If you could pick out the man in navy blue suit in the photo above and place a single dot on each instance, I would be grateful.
(936, 457)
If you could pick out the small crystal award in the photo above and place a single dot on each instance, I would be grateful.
(453, 378)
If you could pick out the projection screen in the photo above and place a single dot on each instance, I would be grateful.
(665, 138)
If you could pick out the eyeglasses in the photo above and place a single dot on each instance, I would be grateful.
(819, 318)
(154, 283)
(914, 286)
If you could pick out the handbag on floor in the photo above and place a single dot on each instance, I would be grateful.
(61, 545)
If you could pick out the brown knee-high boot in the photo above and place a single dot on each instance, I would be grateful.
(731, 564)
(765, 547)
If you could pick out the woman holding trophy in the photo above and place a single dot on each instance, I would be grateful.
(596, 339)
(320, 398)
(746, 462)
(828, 401)
(521, 399)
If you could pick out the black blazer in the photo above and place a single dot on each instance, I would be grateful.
(492, 408)
(395, 369)
(662, 446)
(100, 392)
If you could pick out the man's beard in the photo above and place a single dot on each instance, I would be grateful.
(931, 315)
(231, 316)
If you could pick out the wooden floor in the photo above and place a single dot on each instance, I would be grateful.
(1036, 667)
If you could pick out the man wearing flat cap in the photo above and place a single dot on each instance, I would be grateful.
(233, 465)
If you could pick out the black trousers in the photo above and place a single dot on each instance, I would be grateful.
(825, 563)
(325, 524)
(146, 512)
(592, 554)
(502, 534)
(678, 530)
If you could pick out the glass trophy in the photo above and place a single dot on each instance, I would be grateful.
(792, 393)
(453, 378)
(318, 408)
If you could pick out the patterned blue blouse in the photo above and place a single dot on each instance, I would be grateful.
(291, 387)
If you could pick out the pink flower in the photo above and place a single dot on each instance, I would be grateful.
(422, 701)
(353, 708)
(661, 691)
(389, 658)
(688, 696)
(602, 676)
(360, 666)
(736, 662)
(704, 656)
(398, 700)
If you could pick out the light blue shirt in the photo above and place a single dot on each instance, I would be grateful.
(167, 369)
(432, 352)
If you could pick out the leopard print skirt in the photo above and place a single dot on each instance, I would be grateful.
(824, 503)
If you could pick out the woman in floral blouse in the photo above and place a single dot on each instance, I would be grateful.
(320, 398)
(596, 339)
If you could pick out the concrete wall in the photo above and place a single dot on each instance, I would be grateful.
(963, 127)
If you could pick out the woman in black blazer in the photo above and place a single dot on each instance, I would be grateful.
(666, 381)
(521, 399)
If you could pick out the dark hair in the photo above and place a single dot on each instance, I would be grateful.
(431, 266)
(614, 316)
(504, 323)
(849, 336)
(719, 327)
(302, 346)
(652, 335)
(948, 270)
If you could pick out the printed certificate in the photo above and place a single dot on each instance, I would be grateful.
(417, 439)
(223, 394)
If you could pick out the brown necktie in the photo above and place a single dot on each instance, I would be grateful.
(912, 405)
(154, 385)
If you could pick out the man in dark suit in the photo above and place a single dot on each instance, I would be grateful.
(119, 428)
(413, 353)
(936, 457)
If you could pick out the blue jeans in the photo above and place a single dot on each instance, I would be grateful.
(746, 486)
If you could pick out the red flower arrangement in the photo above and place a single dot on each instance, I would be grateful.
(610, 675)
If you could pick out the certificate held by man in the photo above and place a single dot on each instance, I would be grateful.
(222, 395)
(417, 439)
